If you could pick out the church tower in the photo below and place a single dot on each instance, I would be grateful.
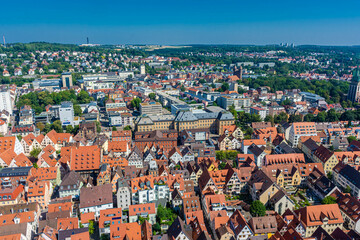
(354, 90)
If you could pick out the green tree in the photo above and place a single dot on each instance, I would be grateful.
(271, 119)
(225, 86)
(281, 117)
(222, 165)
(98, 126)
(309, 118)
(91, 227)
(351, 138)
(156, 228)
(233, 111)
(40, 126)
(104, 237)
(152, 96)
(329, 175)
(19, 137)
(295, 118)
(220, 155)
(114, 128)
(257, 209)
(286, 102)
(35, 152)
(77, 110)
(69, 129)
(35, 165)
(57, 126)
(127, 127)
(135, 103)
(328, 200)
(347, 189)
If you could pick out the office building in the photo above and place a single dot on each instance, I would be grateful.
(354, 89)
(150, 108)
(260, 111)
(299, 129)
(66, 113)
(142, 70)
(66, 80)
(5, 101)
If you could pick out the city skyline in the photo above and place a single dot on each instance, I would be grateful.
(188, 22)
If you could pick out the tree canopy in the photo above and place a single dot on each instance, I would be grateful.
(39, 100)
(257, 209)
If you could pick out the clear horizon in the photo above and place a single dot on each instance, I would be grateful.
(233, 22)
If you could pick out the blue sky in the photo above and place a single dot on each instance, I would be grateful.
(182, 22)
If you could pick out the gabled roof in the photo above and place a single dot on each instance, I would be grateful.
(96, 196)
(315, 215)
(323, 153)
(178, 227)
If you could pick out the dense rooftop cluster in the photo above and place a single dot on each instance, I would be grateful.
(163, 147)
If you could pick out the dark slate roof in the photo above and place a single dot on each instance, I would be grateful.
(320, 233)
(311, 144)
(225, 116)
(184, 116)
(177, 227)
(67, 233)
(255, 150)
(14, 171)
(324, 185)
(350, 173)
(285, 148)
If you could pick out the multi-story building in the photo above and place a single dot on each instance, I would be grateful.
(148, 189)
(146, 210)
(354, 89)
(14, 176)
(26, 115)
(66, 80)
(66, 113)
(326, 216)
(162, 139)
(259, 111)
(347, 176)
(123, 194)
(299, 129)
(95, 199)
(349, 207)
(124, 135)
(215, 121)
(11, 195)
(152, 123)
(70, 185)
(236, 101)
(115, 118)
(150, 108)
(40, 191)
(326, 157)
(108, 217)
(5, 101)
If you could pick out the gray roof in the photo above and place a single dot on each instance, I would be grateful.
(14, 229)
(209, 115)
(67, 233)
(70, 179)
(66, 105)
(15, 171)
(185, 116)
(225, 116)
(144, 121)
